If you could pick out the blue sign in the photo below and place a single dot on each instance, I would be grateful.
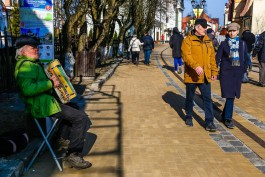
(36, 20)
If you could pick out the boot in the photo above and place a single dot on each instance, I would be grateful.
(76, 161)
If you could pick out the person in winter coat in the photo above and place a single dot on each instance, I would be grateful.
(232, 59)
(126, 46)
(175, 43)
(210, 34)
(148, 46)
(259, 50)
(222, 35)
(135, 44)
(200, 69)
(37, 93)
(250, 39)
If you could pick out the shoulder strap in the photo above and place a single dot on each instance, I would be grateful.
(22, 63)
(133, 41)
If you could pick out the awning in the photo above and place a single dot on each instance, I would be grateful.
(246, 8)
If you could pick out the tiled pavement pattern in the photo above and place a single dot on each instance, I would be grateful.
(225, 139)
(138, 118)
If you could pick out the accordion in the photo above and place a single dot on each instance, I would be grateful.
(65, 90)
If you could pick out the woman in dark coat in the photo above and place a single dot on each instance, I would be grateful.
(232, 59)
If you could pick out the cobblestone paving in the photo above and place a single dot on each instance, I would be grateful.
(138, 116)
(224, 138)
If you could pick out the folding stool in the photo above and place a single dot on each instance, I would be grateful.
(46, 137)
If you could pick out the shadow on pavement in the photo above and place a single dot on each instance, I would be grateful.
(106, 115)
(177, 102)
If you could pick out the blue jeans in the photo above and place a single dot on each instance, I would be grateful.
(205, 89)
(177, 62)
(249, 60)
(228, 109)
(147, 54)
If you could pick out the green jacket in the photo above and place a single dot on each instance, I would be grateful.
(36, 89)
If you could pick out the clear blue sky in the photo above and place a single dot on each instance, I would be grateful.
(214, 8)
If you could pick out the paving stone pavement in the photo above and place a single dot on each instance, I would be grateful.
(138, 117)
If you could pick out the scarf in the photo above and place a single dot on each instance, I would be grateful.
(234, 46)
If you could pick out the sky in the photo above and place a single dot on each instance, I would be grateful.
(215, 8)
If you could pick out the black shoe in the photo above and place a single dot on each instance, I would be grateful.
(188, 121)
(261, 84)
(210, 127)
(229, 123)
(77, 161)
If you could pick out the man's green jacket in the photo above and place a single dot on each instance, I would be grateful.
(36, 88)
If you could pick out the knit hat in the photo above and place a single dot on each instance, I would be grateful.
(26, 40)
(233, 27)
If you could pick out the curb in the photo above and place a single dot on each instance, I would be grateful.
(14, 165)
(95, 86)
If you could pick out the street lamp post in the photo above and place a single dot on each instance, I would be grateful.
(198, 7)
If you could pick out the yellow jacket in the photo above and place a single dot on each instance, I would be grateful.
(198, 53)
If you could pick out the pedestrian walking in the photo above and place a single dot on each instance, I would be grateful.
(135, 44)
(222, 35)
(250, 39)
(259, 50)
(163, 38)
(126, 46)
(148, 46)
(232, 59)
(175, 43)
(36, 90)
(200, 69)
(211, 35)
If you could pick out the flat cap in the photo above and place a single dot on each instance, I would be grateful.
(201, 22)
(233, 27)
(26, 40)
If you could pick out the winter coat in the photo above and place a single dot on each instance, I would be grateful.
(175, 43)
(135, 45)
(260, 48)
(249, 38)
(35, 87)
(196, 52)
(127, 41)
(148, 42)
(231, 76)
(214, 40)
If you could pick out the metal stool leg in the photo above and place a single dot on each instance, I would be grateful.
(43, 143)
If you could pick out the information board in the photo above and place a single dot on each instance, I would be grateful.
(36, 20)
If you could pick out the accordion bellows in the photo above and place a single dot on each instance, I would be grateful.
(65, 91)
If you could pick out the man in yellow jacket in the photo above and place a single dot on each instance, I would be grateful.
(200, 69)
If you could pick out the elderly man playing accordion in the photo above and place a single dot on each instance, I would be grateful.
(37, 93)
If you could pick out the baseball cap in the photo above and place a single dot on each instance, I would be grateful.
(26, 40)
(201, 22)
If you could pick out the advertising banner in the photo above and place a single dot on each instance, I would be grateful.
(36, 20)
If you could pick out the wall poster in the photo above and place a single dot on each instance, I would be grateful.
(36, 20)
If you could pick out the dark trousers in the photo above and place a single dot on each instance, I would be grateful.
(228, 109)
(262, 73)
(205, 89)
(135, 57)
(78, 123)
